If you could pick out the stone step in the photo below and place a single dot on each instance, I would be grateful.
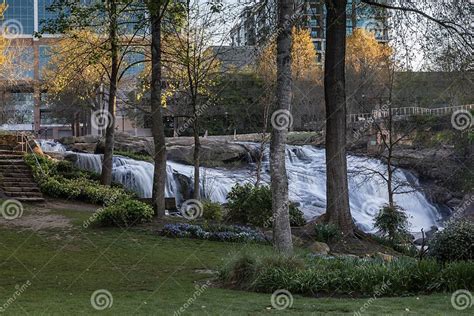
(10, 152)
(23, 181)
(14, 168)
(21, 189)
(12, 161)
(24, 194)
(10, 156)
(11, 184)
(30, 199)
(17, 175)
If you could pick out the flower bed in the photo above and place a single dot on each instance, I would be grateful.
(228, 233)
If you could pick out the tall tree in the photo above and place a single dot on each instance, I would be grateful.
(338, 209)
(282, 238)
(157, 10)
(119, 23)
(194, 66)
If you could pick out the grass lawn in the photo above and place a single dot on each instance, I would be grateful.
(147, 274)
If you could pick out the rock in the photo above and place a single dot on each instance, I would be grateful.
(213, 152)
(319, 247)
(454, 202)
(297, 242)
(83, 147)
(385, 257)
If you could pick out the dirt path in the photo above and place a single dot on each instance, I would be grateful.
(38, 217)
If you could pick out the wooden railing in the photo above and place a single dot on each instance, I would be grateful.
(407, 112)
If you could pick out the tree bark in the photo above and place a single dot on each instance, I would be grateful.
(196, 155)
(106, 176)
(279, 180)
(338, 209)
(158, 132)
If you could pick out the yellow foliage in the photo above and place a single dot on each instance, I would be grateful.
(303, 55)
(3, 40)
(75, 62)
(363, 52)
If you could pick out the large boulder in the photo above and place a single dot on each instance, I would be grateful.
(319, 248)
(213, 153)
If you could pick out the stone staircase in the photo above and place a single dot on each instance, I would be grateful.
(16, 178)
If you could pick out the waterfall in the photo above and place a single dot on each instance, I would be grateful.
(306, 168)
(49, 145)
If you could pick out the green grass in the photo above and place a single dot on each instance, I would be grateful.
(148, 274)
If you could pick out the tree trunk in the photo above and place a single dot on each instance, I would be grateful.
(197, 148)
(106, 176)
(338, 209)
(158, 131)
(279, 180)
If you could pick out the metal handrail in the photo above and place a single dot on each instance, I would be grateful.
(25, 140)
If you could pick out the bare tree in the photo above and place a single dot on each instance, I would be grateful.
(282, 238)
(338, 210)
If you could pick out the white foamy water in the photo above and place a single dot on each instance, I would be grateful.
(307, 184)
(48, 145)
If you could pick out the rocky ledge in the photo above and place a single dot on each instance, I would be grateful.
(215, 151)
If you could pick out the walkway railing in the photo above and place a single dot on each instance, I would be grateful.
(407, 112)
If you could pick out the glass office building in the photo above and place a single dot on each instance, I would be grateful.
(21, 98)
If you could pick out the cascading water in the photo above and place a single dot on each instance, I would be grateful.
(307, 184)
(48, 145)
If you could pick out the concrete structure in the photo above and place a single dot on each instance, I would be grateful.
(23, 102)
(257, 21)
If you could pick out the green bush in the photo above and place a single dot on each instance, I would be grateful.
(454, 242)
(61, 179)
(248, 204)
(327, 232)
(212, 211)
(345, 276)
(124, 213)
(392, 222)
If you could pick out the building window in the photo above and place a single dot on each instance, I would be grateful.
(21, 11)
(44, 15)
(21, 108)
(44, 58)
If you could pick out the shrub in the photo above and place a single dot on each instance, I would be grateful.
(327, 232)
(229, 233)
(252, 205)
(61, 179)
(212, 211)
(124, 213)
(454, 242)
(345, 276)
(392, 222)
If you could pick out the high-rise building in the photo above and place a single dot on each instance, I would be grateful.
(258, 19)
(22, 102)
